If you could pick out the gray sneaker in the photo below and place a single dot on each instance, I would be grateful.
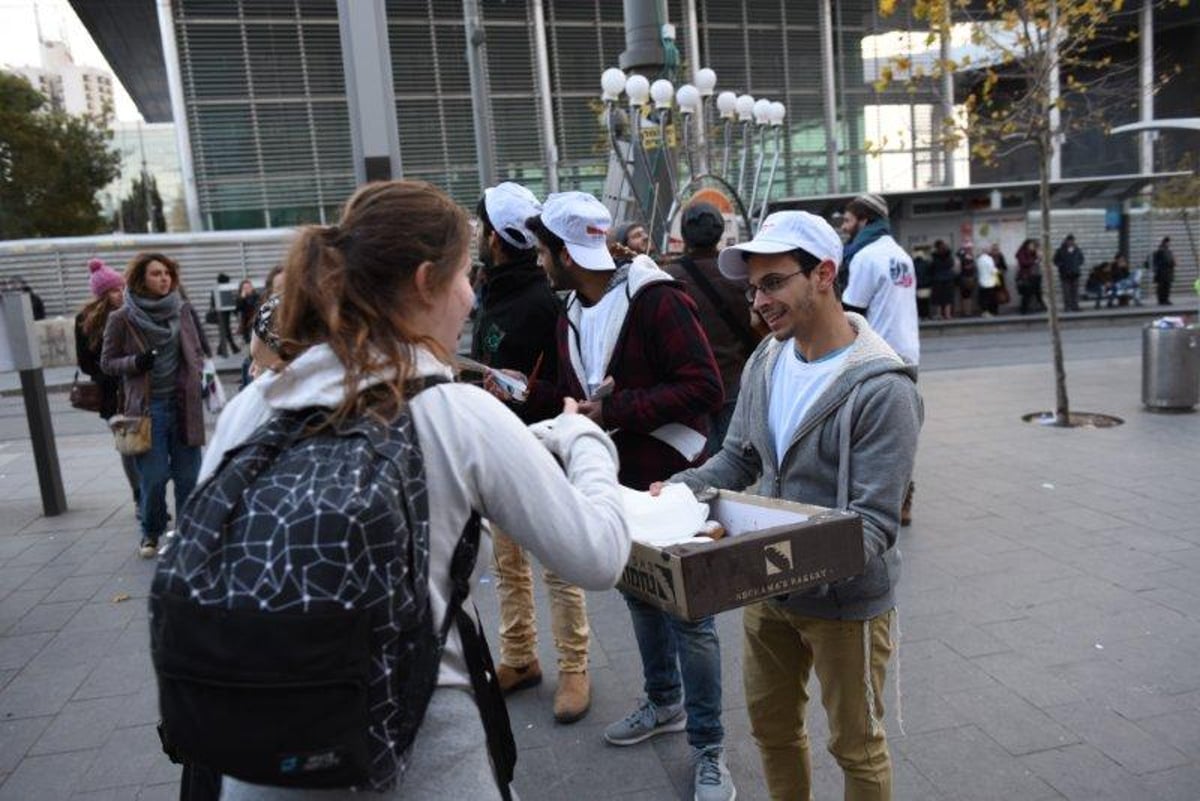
(645, 722)
(713, 782)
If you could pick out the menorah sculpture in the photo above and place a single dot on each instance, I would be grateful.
(668, 133)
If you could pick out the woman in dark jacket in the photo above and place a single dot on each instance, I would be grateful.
(156, 345)
(942, 263)
(108, 291)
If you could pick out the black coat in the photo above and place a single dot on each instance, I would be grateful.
(515, 326)
(89, 362)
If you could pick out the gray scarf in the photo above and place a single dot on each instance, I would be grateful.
(157, 320)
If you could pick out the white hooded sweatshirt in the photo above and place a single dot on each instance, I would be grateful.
(478, 456)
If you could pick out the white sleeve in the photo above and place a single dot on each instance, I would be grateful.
(861, 288)
(570, 517)
(237, 421)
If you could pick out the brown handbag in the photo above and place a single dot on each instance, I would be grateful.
(132, 434)
(87, 396)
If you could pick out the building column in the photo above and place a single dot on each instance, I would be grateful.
(371, 100)
(545, 98)
(1146, 53)
(183, 139)
(829, 93)
(947, 95)
(481, 95)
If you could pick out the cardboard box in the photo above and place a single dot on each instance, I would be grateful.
(771, 547)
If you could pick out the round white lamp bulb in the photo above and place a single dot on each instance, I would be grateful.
(762, 108)
(726, 103)
(663, 92)
(745, 108)
(706, 81)
(638, 89)
(688, 98)
(613, 83)
(778, 112)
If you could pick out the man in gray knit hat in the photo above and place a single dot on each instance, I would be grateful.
(881, 286)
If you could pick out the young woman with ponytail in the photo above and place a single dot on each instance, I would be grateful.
(369, 304)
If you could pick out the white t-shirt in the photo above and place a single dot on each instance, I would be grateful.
(795, 386)
(883, 282)
(986, 267)
(593, 323)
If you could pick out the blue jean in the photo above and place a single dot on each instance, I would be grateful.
(671, 648)
(169, 459)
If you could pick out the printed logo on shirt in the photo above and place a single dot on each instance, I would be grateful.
(778, 556)
(492, 338)
(900, 274)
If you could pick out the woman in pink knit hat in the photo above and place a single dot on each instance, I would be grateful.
(108, 291)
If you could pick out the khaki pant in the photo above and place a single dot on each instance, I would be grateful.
(518, 628)
(781, 649)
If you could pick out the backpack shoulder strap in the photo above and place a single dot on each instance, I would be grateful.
(740, 328)
(484, 686)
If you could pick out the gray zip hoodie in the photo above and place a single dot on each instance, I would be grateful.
(854, 449)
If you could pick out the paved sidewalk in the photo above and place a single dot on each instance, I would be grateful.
(1050, 613)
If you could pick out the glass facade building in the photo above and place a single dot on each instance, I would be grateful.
(267, 113)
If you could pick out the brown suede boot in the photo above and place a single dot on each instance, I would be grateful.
(573, 697)
(512, 679)
(906, 509)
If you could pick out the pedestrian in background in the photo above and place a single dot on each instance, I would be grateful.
(985, 265)
(634, 236)
(1164, 271)
(221, 309)
(968, 280)
(942, 263)
(1069, 261)
(1029, 277)
(247, 304)
(155, 344)
(108, 294)
(719, 303)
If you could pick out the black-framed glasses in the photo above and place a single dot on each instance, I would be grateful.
(769, 285)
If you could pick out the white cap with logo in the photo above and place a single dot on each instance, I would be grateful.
(582, 223)
(781, 232)
(508, 206)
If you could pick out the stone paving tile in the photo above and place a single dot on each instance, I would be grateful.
(130, 756)
(1176, 784)
(41, 692)
(1082, 773)
(81, 725)
(47, 778)
(1018, 726)
(964, 763)
(1119, 739)
(46, 617)
(17, 650)
(16, 738)
(1180, 729)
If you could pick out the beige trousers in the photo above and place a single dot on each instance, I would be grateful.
(518, 627)
(781, 650)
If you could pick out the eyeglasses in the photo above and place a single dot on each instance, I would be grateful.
(769, 285)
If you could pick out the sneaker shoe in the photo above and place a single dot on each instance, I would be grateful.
(573, 697)
(713, 782)
(512, 679)
(645, 722)
(148, 549)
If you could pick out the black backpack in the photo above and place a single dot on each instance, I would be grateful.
(290, 624)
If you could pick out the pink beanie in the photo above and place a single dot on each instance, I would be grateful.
(103, 278)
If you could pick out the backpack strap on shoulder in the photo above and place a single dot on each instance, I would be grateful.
(484, 685)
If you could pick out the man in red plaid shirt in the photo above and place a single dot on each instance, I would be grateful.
(631, 349)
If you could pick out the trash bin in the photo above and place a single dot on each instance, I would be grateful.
(1170, 367)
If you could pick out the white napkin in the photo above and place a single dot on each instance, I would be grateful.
(673, 517)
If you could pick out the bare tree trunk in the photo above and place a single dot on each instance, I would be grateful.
(1062, 411)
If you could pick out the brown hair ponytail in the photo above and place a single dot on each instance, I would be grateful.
(349, 285)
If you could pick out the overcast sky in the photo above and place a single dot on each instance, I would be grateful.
(19, 41)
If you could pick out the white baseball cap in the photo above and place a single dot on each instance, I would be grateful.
(508, 206)
(781, 232)
(582, 223)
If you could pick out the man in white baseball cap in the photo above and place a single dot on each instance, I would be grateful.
(632, 350)
(832, 421)
(515, 330)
